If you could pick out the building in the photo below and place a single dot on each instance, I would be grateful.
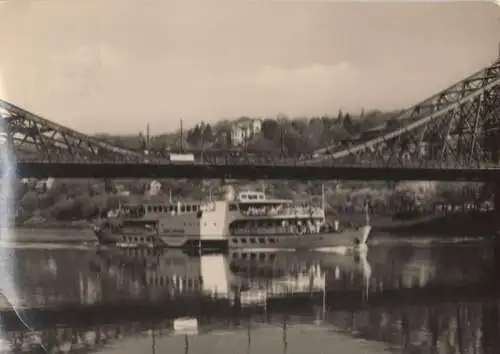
(245, 130)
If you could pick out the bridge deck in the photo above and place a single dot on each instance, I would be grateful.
(248, 171)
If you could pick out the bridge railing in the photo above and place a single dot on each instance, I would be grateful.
(262, 162)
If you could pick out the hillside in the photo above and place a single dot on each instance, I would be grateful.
(292, 136)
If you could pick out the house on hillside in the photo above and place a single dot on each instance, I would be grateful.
(245, 130)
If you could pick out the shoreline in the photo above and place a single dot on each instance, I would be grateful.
(469, 225)
(28, 234)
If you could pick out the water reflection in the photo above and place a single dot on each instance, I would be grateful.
(259, 282)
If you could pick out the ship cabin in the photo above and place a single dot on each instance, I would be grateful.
(252, 203)
(257, 215)
(154, 211)
(147, 215)
(255, 204)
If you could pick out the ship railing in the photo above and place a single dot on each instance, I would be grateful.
(301, 212)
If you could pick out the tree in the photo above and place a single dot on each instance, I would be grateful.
(348, 124)
(297, 144)
(271, 129)
(261, 144)
(393, 123)
(194, 136)
(29, 202)
(208, 135)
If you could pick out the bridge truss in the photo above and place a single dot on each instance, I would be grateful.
(458, 127)
(35, 138)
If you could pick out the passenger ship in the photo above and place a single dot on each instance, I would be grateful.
(249, 220)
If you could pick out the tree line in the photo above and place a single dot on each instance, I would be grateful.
(290, 136)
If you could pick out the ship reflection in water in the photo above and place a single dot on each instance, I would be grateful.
(266, 302)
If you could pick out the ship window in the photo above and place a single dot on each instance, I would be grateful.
(272, 240)
(233, 207)
(262, 256)
(235, 240)
(253, 256)
(252, 240)
(243, 240)
(262, 240)
(183, 208)
(149, 208)
(188, 208)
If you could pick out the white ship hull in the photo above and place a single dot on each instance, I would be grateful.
(356, 238)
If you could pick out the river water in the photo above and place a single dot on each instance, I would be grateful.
(397, 299)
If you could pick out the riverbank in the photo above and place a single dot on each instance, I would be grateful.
(49, 235)
(478, 224)
(466, 224)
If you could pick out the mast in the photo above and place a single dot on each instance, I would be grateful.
(181, 137)
(323, 307)
(323, 202)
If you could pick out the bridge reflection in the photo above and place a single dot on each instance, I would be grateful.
(94, 298)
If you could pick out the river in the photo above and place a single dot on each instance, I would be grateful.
(396, 299)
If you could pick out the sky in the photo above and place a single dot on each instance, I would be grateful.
(114, 65)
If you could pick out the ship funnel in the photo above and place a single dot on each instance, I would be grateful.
(228, 192)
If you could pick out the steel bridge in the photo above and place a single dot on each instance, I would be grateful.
(451, 135)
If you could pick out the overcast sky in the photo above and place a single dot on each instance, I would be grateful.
(113, 65)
